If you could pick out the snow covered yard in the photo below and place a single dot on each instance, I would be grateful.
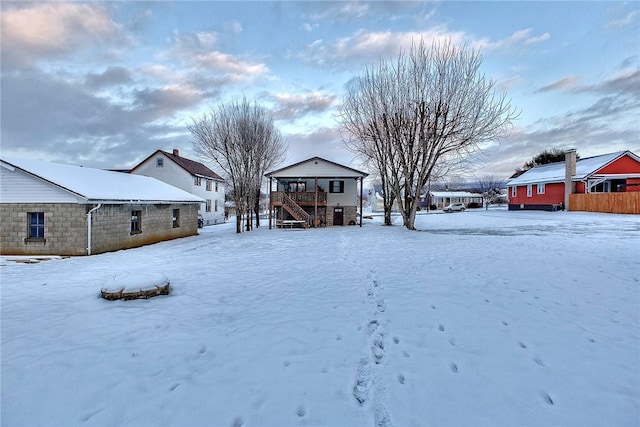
(483, 318)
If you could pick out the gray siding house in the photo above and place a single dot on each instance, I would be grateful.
(315, 193)
(56, 209)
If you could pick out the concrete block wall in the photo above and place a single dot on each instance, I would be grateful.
(66, 227)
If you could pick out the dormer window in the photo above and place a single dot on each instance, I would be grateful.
(159, 162)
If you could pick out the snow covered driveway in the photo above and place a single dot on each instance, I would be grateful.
(482, 318)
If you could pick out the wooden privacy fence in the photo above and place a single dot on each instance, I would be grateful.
(621, 203)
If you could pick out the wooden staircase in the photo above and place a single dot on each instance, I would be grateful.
(296, 211)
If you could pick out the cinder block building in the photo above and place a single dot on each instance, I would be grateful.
(57, 209)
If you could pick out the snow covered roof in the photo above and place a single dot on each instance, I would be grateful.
(316, 167)
(555, 172)
(100, 185)
(454, 194)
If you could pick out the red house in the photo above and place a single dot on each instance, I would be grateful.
(543, 187)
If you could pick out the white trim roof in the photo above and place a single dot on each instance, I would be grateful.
(317, 167)
(555, 172)
(97, 185)
(453, 194)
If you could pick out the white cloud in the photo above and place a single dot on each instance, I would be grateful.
(47, 30)
(518, 38)
(629, 19)
(370, 46)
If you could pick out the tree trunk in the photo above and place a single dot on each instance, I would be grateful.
(257, 209)
(238, 222)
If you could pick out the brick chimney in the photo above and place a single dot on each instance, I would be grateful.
(176, 152)
(569, 172)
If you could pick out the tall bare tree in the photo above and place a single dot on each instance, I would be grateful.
(242, 139)
(414, 116)
(489, 186)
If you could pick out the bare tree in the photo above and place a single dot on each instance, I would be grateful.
(419, 114)
(241, 138)
(489, 186)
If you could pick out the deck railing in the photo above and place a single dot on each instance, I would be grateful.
(304, 198)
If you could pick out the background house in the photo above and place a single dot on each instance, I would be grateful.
(440, 199)
(56, 209)
(316, 192)
(605, 183)
(190, 176)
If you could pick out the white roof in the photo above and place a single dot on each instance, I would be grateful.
(316, 167)
(555, 172)
(454, 194)
(101, 185)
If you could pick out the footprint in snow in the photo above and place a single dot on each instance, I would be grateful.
(454, 368)
(441, 327)
(237, 422)
(538, 361)
(547, 398)
(396, 340)
(522, 345)
(401, 379)
(301, 411)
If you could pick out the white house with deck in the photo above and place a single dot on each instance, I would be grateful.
(315, 192)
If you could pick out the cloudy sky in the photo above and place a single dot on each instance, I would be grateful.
(104, 84)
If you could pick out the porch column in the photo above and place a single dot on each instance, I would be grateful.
(315, 204)
(270, 202)
(361, 185)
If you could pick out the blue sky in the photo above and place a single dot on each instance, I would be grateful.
(104, 84)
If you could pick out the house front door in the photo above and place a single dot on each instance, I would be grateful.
(337, 216)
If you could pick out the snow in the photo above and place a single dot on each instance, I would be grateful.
(102, 185)
(483, 318)
(555, 172)
(128, 282)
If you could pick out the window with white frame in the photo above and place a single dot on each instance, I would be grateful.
(208, 205)
(159, 162)
(514, 191)
(197, 180)
(540, 189)
(215, 207)
(209, 182)
(529, 190)
(216, 186)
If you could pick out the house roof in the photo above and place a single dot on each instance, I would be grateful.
(191, 166)
(454, 194)
(97, 185)
(317, 167)
(555, 172)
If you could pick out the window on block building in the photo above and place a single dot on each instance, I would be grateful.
(208, 205)
(209, 185)
(36, 225)
(216, 205)
(197, 180)
(136, 222)
(159, 162)
(176, 218)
